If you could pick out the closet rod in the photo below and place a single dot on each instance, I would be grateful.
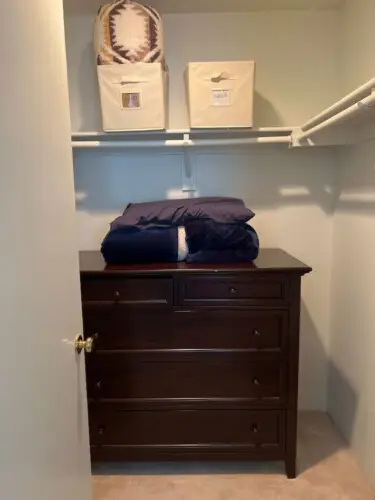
(128, 144)
(254, 130)
(369, 101)
(242, 142)
(182, 143)
(339, 106)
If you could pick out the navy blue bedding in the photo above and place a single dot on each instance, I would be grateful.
(221, 256)
(202, 235)
(178, 212)
(208, 242)
(130, 245)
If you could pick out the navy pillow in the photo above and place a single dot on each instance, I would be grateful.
(179, 212)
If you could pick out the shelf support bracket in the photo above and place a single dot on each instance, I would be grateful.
(188, 169)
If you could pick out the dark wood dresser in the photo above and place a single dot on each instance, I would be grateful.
(193, 362)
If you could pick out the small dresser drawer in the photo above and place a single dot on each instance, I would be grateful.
(262, 332)
(110, 425)
(186, 375)
(127, 328)
(272, 290)
(128, 290)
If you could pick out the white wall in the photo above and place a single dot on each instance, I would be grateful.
(357, 36)
(292, 192)
(351, 390)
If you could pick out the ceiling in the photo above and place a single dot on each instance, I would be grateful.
(181, 6)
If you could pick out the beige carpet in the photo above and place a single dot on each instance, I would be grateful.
(327, 471)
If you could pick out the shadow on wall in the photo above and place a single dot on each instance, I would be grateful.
(351, 368)
(266, 178)
(88, 110)
(108, 181)
(315, 369)
(265, 113)
(355, 191)
(342, 395)
(313, 360)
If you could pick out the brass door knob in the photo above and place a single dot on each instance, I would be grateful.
(81, 344)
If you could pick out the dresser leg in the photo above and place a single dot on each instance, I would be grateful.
(291, 468)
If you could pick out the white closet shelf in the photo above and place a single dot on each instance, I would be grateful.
(183, 138)
(176, 6)
(349, 120)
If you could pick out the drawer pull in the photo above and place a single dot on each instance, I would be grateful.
(254, 428)
(256, 381)
(257, 333)
(99, 385)
(101, 431)
(117, 295)
(233, 290)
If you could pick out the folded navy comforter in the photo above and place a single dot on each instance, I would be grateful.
(207, 242)
(212, 229)
(221, 257)
(210, 235)
(131, 245)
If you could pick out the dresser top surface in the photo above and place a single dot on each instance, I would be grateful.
(269, 260)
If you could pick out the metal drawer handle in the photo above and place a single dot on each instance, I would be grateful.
(233, 290)
(117, 295)
(256, 381)
(99, 385)
(101, 431)
(257, 333)
(254, 428)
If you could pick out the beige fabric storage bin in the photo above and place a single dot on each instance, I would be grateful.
(221, 94)
(133, 96)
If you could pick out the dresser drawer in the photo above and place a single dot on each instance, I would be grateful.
(110, 425)
(185, 375)
(262, 332)
(128, 290)
(124, 328)
(272, 290)
(200, 328)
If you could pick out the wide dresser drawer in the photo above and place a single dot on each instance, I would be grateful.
(186, 375)
(268, 290)
(111, 425)
(140, 290)
(119, 328)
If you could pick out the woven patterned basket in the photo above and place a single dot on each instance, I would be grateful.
(128, 32)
